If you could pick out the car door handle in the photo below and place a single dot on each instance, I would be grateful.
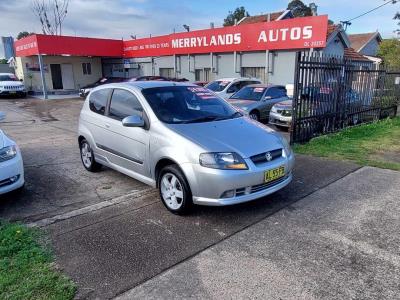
(107, 125)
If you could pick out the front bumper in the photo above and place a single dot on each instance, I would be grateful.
(8, 170)
(208, 185)
(279, 120)
(19, 93)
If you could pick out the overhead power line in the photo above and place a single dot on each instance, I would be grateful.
(348, 22)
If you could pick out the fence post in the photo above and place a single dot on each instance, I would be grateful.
(293, 128)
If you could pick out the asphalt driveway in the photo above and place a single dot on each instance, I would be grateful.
(110, 232)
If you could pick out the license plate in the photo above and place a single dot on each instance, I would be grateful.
(274, 174)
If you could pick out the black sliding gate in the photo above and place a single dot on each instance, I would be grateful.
(332, 93)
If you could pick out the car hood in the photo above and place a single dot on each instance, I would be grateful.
(241, 135)
(287, 105)
(11, 83)
(241, 102)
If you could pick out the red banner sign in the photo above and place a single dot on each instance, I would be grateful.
(297, 33)
(67, 45)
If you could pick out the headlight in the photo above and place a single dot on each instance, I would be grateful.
(8, 153)
(223, 160)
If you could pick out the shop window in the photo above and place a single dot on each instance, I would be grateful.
(256, 72)
(124, 104)
(87, 68)
(203, 74)
(167, 72)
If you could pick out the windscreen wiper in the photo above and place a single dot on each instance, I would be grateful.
(202, 119)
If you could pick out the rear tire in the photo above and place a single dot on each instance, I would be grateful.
(87, 157)
(174, 190)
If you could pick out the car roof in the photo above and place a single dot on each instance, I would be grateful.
(149, 84)
(7, 74)
(264, 85)
(236, 79)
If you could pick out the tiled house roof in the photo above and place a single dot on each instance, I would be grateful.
(358, 41)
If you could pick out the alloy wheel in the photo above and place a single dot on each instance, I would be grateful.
(86, 154)
(172, 191)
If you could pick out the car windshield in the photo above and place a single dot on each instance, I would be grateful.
(188, 104)
(249, 93)
(8, 77)
(218, 85)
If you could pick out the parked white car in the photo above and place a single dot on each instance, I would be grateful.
(226, 87)
(11, 164)
(10, 85)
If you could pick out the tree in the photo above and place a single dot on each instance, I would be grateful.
(397, 17)
(23, 34)
(389, 51)
(237, 15)
(51, 14)
(299, 9)
(3, 61)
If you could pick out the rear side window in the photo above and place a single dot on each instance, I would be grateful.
(276, 92)
(124, 104)
(98, 101)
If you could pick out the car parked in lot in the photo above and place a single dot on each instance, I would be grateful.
(256, 100)
(84, 91)
(10, 85)
(226, 87)
(185, 140)
(11, 164)
(281, 114)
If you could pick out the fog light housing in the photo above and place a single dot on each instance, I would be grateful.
(14, 178)
(228, 194)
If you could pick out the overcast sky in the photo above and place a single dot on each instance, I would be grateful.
(122, 18)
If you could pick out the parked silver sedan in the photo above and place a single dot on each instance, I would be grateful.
(185, 140)
(281, 114)
(256, 100)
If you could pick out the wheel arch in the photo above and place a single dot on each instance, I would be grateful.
(162, 163)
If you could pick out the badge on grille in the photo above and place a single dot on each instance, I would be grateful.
(268, 156)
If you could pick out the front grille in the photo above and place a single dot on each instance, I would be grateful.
(11, 88)
(285, 113)
(261, 158)
(8, 181)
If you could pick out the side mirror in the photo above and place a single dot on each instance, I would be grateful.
(2, 116)
(133, 121)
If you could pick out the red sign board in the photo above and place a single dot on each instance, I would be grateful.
(297, 33)
(67, 45)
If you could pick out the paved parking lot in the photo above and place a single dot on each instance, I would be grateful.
(111, 233)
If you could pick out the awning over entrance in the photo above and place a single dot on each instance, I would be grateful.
(68, 45)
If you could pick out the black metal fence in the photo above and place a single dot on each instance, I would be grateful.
(332, 93)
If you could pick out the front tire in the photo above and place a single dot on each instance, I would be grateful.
(174, 190)
(87, 157)
(254, 115)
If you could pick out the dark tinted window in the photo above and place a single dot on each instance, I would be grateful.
(98, 101)
(124, 104)
(218, 85)
(275, 92)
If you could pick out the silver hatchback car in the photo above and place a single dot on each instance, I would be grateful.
(191, 144)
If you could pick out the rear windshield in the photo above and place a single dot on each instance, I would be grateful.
(8, 78)
(218, 85)
(249, 93)
(187, 104)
